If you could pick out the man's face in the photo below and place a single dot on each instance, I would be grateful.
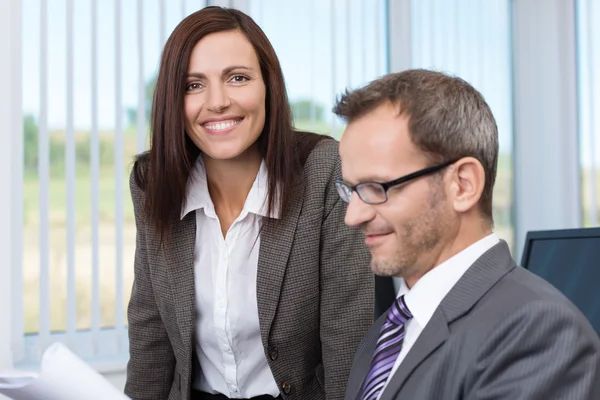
(401, 233)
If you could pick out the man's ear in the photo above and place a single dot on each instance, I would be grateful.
(468, 181)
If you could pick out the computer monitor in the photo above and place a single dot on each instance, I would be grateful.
(570, 260)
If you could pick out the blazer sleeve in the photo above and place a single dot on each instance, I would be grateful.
(347, 292)
(543, 351)
(152, 363)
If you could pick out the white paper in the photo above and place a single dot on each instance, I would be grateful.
(63, 376)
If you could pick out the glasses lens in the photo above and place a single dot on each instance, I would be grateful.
(371, 193)
(344, 191)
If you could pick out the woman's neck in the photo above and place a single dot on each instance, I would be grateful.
(229, 182)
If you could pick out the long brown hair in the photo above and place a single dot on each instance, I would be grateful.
(162, 172)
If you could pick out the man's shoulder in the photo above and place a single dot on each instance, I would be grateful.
(525, 298)
(526, 287)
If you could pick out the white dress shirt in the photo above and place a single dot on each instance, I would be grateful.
(228, 342)
(429, 291)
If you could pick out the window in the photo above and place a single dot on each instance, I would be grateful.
(89, 68)
(324, 46)
(472, 40)
(588, 62)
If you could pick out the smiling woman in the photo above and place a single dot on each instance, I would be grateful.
(225, 80)
(247, 282)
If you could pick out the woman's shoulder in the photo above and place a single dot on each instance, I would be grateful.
(327, 149)
(323, 159)
(137, 178)
(321, 169)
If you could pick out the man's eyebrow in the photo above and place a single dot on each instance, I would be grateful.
(366, 179)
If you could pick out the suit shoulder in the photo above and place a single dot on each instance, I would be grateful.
(558, 323)
(138, 177)
(533, 288)
(327, 149)
(534, 299)
(323, 161)
(321, 169)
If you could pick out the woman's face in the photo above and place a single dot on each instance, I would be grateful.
(224, 95)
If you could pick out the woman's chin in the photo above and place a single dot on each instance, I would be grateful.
(228, 150)
(224, 153)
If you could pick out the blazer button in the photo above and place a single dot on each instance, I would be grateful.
(286, 387)
(273, 353)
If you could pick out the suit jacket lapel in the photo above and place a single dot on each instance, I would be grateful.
(433, 336)
(479, 278)
(179, 257)
(363, 358)
(276, 240)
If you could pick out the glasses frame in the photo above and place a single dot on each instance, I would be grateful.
(341, 185)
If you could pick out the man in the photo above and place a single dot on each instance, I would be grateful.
(419, 159)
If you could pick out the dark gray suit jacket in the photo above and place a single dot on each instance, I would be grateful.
(500, 333)
(315, 294)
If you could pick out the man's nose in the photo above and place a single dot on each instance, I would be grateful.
(358, 212)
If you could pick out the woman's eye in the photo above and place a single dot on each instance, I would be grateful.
(192, 86)
(239, 79)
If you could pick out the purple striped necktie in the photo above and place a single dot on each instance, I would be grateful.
(387, 350)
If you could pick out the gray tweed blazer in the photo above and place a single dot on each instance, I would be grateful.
(315, 295)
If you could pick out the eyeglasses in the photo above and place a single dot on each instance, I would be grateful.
(376, 192)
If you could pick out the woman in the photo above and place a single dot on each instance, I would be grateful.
(247, 282)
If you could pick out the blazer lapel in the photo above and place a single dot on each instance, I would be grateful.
(179, 256)
(479, 278)
(276, 240)
(433, 336)
(363, 358)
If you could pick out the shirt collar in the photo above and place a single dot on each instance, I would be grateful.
(198, 197)
(429, 291)
(257, 200)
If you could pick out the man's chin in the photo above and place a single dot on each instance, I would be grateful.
(383, 268)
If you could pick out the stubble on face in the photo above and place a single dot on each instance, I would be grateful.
(417, 237)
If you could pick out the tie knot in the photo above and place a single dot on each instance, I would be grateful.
(399, 312)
